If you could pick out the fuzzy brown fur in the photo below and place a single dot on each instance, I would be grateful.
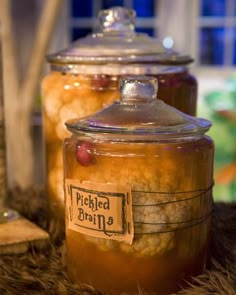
(44, 272)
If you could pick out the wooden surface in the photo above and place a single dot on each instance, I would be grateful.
(18, 235)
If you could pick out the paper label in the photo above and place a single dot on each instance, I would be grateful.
(99, 209)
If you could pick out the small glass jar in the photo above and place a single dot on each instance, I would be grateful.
(138, 179)
(84, 78)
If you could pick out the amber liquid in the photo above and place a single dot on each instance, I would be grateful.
(115, 272)
(178, 90)
(165, 260)
(68, 96)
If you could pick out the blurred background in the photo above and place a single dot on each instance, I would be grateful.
(204, 29)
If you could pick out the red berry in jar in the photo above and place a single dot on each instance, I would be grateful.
(84, 153)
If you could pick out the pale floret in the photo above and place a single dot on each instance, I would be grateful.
(156, 216)
(66, 96)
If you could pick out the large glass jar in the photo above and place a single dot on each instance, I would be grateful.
(84, 78)
(138, 191)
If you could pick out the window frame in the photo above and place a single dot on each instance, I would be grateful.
(189, 22)
(89, 22)
(177, 19)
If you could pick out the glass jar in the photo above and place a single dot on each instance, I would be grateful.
(84, 78)
(138, 179)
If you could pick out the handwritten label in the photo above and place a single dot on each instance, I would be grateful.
(99, 210)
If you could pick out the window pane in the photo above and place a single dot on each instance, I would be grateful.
(213, 7)
(149, 31)
(108, 3)
(144, 8)
(79, 33)
(212, 46)
(81, 8)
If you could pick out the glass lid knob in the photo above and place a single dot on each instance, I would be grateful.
(117, 19)
(138, 89)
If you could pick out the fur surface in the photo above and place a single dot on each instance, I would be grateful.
(44, 272)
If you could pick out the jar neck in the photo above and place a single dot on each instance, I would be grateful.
(119, 69)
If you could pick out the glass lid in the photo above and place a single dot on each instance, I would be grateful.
(138, 115)
(116, 40)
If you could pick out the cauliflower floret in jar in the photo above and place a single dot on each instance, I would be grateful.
(157, 244)
(47, 84)
(179, 213)
(150, 245)
(66, 112)
(52, 105)
(103, 244)
(67, 96)
(147, 219)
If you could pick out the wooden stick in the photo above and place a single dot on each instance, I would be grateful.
(43, 36)
(20, 98)
(10, 79)
(8, 47)
(27, 92)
